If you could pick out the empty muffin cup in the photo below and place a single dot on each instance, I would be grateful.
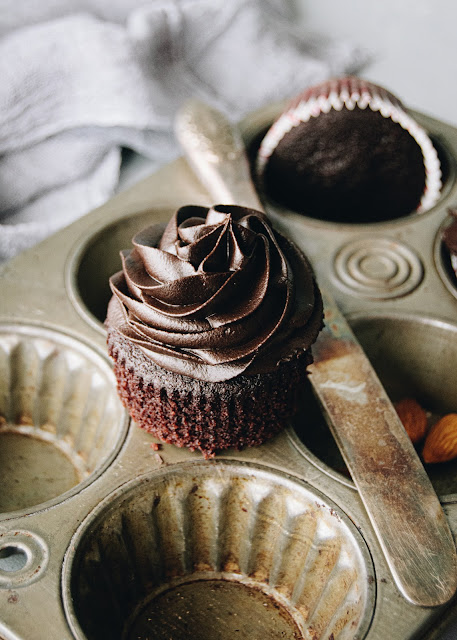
(414, 357)
(95, 259)
(61, 422)
(215, 549)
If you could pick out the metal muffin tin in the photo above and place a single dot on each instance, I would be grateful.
(115, 536)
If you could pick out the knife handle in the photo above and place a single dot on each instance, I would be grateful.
(215, 151)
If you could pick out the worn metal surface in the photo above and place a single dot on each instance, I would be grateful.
(61, 422)
(398, 495)
(378, 268)
(59, 286)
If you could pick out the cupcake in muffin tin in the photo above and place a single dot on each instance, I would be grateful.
(347, 150)
(210, 328)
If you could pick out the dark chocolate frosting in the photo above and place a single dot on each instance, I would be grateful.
(217, 294)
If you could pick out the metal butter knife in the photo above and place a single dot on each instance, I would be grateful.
(398, 496)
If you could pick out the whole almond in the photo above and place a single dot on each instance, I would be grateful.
(413, 418)
(441, 443)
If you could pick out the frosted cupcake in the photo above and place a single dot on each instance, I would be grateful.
(348, 151)
(210, 328)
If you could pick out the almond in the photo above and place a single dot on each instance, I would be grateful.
(413, 418)
(441, 443)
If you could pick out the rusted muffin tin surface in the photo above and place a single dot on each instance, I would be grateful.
(245, 528)
(104, 536)
(62, 422)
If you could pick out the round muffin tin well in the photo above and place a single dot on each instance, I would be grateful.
(97, 258)
(61, 422)
(211, 550)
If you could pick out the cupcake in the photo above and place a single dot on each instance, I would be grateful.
(346, 150)
(210, 328)
(450, 240)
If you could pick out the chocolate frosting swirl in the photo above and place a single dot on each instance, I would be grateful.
(217, 294)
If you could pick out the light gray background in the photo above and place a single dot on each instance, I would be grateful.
(414, 43)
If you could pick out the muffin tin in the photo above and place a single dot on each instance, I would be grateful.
(104, 532)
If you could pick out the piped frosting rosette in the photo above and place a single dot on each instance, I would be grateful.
(349, 93)
(218, 293)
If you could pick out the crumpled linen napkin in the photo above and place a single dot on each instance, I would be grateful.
(77, 89)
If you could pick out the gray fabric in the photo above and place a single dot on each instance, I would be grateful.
(78, 88)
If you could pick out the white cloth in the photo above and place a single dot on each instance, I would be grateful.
(77, 88)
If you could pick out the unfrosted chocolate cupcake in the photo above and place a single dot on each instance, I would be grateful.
(210, 328)
(347, 151)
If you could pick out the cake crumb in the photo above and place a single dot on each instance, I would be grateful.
(156, 446)
(158, 458)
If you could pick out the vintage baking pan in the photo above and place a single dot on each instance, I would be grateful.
(113, 538)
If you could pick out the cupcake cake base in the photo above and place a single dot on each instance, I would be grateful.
(210, 328)
(244, 411)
